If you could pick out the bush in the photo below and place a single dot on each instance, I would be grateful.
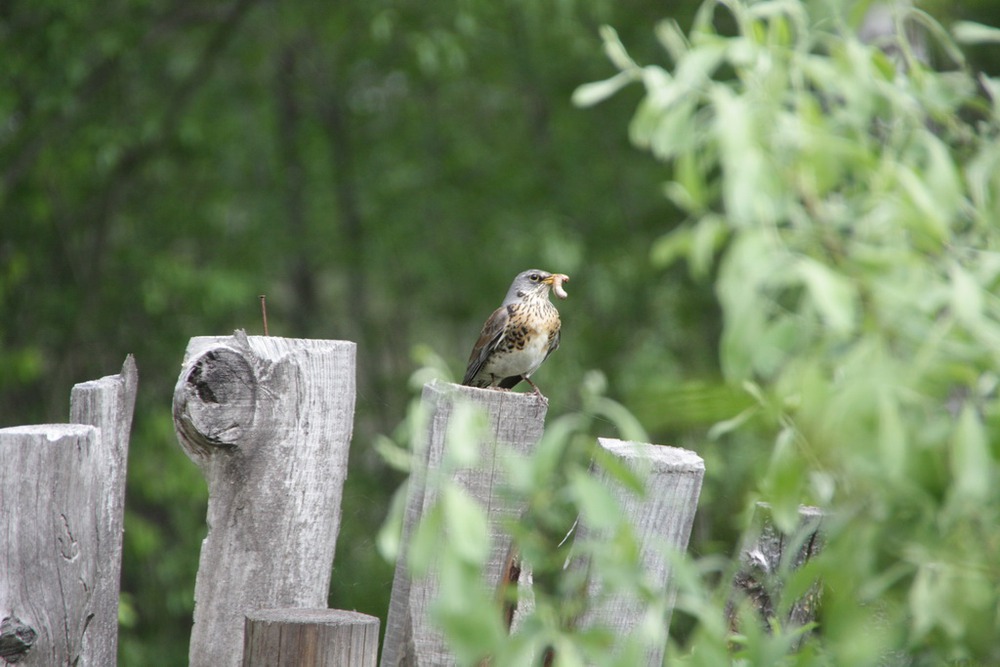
(843, 197)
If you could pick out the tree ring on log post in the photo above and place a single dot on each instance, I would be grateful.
(216, 401)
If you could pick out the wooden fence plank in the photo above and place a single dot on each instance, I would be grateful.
(108, 404)
(515, 420)
(310, 638)
(50, 527)
(62, 490)
(268, 420)
(766, 556)
(661, 518)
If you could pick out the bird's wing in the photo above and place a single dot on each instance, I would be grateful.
(554, 345)
(488, 339)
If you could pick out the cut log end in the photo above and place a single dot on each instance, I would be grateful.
(215, 401)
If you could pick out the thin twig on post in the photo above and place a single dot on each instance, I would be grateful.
(269, 421)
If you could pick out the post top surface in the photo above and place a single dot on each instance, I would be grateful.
(52, 432)
(663, 456)
(311, 616)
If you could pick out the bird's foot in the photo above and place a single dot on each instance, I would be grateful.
(537, 392)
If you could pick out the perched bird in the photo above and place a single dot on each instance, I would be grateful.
(519, 335)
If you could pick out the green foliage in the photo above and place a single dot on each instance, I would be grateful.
(381, 170)
(556, 485)
(843, 204)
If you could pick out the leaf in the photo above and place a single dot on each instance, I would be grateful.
(598, 505)
(425, 542)
(925, 600)
(670, 247)
(396, 457)
(628, 426)
(387, 540)
(891, 437)
(464, 435)
(466, 524)
(720, 429)
(709, 235)
(966, 297)
(969, 32)
(615, 50)
(971, 463)
(672, 38)
(675, 130)
(749, 186)
(833, 295)
(784, 482)
(928, 216)
(590, 94)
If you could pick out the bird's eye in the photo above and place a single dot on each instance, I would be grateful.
(534, 277)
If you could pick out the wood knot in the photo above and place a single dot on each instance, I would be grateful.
(16, 639)
(215, 401)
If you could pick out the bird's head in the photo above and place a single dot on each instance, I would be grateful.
(536, 283)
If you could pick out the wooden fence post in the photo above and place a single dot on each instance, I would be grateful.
(515, 422)
(661, 518)
(310, 638)
(62, 490)
(268, 420)
(765, 555)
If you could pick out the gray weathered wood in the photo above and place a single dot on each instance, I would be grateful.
(108, 404)
(310, 638)
(766, 557)
(48, 556)
(61, 502)
(515, 421)
(268, 420)
(661, 519)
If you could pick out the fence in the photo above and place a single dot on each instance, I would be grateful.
(268, 421)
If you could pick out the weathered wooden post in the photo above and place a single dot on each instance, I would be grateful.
(268, 420)
(62, 492)
(662, 518)
(310, 638)
(766, 556)
(515, 423)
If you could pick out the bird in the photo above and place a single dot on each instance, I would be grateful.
(519, 335)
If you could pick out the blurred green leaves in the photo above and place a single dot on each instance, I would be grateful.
(838, 199)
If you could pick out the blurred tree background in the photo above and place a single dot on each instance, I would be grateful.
(380, 170)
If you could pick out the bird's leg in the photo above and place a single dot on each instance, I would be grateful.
(538, 392)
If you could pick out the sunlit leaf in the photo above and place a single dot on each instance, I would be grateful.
(832, 295)
(669, 248)
(971, 462)
(467, 528)
(599, 507)
(969, 32)
(615, 50)
(785, 479)
(966, 297)
(672, 38)
(589, 94)
(464, 434)
(424, 542)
